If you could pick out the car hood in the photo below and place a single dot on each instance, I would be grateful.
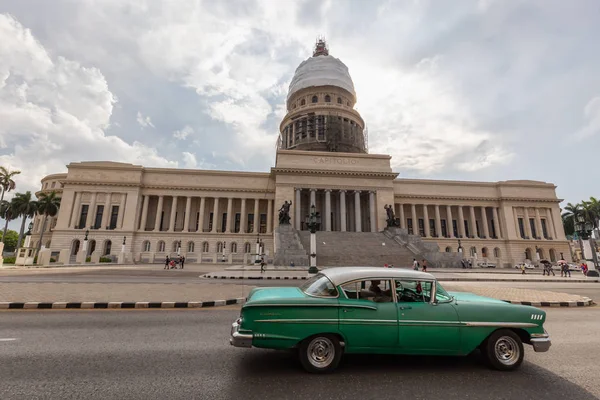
(466, 297)
(280, 293)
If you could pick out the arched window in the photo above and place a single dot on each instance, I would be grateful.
(205, 247)
(91, 247)
(484, 252)
(247, 248)
(190, 247)
(315, 99)
(339, 100)
(219, 247)
(473, 251)
(448, 249)
(107, 248)
(528, 254)
(302, 102)
(175, 246)
(161, 246)
(146, 245)
(541, 253)
(327, 98)
(48, 243)
(497, 252)
(75, 247)
(294, 106)
(552, 255)
(233, 247)
(348, 104)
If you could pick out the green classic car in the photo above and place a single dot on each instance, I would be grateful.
(381, 310)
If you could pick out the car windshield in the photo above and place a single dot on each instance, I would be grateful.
(441, 295)
(319, 285)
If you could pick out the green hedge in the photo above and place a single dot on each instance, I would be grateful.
(105, 259)
(9, 260)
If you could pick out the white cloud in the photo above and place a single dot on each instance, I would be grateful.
(591, 112)
(54, 111)
(144, 122)
(189, 160)
(182, 134)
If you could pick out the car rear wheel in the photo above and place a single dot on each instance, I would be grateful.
(320, 353)
(503, 350)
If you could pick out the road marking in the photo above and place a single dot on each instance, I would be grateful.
(8, 339)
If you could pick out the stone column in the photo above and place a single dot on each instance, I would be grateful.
(357, 210)
(313, 198)
(215, 221)
(75, 214)
(121, 214)
(449, 227)
(91, 212)
(402, 218)
(298, 209)
(328, 210)
(517, 223)
(159, 209)
(550, 223)
(229, 211)
(486, 228)
(342, 210)
(538, 223)
(172, 219)
(256, 216)
(461, 222)
(188, 208)
(144, 213)
(426, 221)
(496, 222)
(527, 224)
(372, 214)
(438, 221)
(243, 217)
(201, 212)
(269, 216)
(472, 219)
(415, 222)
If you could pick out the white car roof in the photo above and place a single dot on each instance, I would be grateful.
(342, 275)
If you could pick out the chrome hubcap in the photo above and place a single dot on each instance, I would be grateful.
(321, 352)
(507, 350)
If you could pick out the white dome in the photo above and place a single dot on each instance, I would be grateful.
(321, 71)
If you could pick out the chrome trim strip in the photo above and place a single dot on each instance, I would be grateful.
(299, 321)
(502, 324)
(311, 305)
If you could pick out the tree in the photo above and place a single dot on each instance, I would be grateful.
(6, 180)
(10, 241)
(25, 207)
(48, 206)
(8, 213)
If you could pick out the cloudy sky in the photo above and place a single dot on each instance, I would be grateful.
(473, 90)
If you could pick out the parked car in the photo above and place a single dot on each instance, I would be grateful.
(383, 310)
(485, 264)
(527, 266)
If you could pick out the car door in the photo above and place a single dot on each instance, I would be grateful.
(368, 318)
(425, 326)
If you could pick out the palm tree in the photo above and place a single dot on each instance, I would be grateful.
(571, 213)
(48, 206)
(26, 207)
(6, 182)
(8, 213)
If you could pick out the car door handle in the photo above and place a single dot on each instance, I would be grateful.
(347, 310)
(406, 308)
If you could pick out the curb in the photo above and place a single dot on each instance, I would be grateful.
(585, 303)
(118, 304)
(442, 279)
(283, 278)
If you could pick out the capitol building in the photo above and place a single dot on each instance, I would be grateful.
(322, 159)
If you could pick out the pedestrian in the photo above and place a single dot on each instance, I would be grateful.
(424, 265)
(522, 269)
(385, 266)
(182, 260)
(415, 264)
(262, 264)
(464, 264)
(167, 263)
(567, 270)
(470, 264)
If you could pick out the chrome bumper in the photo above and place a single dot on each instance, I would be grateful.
(239, 339)
(541, 343)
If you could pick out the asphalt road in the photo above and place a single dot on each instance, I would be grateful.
(185, 354)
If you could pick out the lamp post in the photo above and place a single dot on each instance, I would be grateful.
(123, 245)
(28, 235)
(179, 248)
(312, 222)
(85, 242)
(257, 258)
(223, 255)
(460, 248)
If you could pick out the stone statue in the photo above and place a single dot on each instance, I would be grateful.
(284, 213)
(391, 220)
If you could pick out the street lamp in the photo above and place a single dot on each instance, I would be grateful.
(312, 222)
(460, 248)
(584, 228)
(223, 255)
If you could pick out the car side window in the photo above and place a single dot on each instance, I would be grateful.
(374, 290)
(409, 291)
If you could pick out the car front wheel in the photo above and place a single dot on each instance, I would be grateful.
(503, 350)
(320, 353)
